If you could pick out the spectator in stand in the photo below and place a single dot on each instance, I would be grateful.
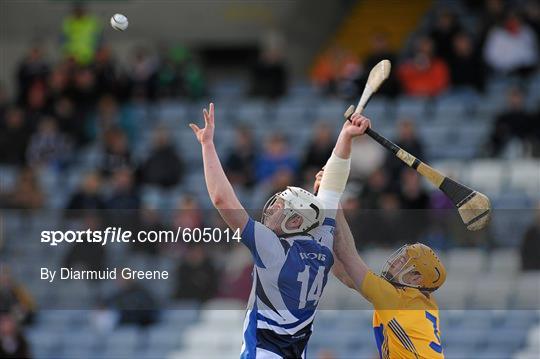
(236, 277)
(111, 116)
(412, 195)
(511, 47)
(88, 196)
(149, 220)
(445, 29)
(511, 124)
(163, 167)
(491, 12)
(282, 178)
(240, 162)
(380, 50)
(15, 299)
(424, 74)
(530, 246)
(4, 101)
(14, 136)
(84, 91)
(81, 35)
(466, 67)
(532, 15)
(134, 303)
(37, 106)
(189, 213)
(108, 80)
(144, 71)
(386, 224)
(116, 154)
(366, 157)
(319, 149)
(198, 278)
(330, 67)
(13, 344)
(33, 68)
(59, 81)
(124, 193)
(48, 147)
(87, 255)
(276, 155)
(269, 76)
(26, 194)
(407, 139)
(377, 184)
(69, 122)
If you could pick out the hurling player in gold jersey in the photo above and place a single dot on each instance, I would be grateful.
(406, 315)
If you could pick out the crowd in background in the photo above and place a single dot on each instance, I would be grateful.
(61, 108)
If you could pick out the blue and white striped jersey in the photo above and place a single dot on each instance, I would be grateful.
(289, 276)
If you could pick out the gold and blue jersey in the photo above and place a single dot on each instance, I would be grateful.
(405, 320)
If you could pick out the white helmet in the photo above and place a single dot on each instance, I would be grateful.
(301, 202)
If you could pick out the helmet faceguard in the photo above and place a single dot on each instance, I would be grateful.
(296, 202)
(415, 258)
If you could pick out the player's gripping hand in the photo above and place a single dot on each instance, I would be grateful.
(206, 134)
(357, 126)
(318, 179)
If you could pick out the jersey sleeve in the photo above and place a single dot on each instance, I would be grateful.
(383, 295)
(264, 245)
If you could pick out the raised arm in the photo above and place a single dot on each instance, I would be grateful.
(352, 272)
(219, 188)
(337, 168)
(347, 254)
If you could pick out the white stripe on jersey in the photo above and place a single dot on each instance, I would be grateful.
(280, 330)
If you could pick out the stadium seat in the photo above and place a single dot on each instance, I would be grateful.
(492, 291)
(455, 352)
(451, 168)
(486, 176)
(527, 291)
(378, 111)
(376, 258)
(222, 315)
(506, 261)
(449, 109)
(164, 338)
(247, 111)
(330, 111)
(173, 113)
(455, 293)
(464, 338)
(411, 108)
(506, 340)
(525, 176)
(462, 261)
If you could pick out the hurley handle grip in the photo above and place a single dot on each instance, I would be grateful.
(370, 132)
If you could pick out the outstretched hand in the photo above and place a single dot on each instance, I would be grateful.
(206, 134)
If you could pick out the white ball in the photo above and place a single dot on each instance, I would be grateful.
(119, 22)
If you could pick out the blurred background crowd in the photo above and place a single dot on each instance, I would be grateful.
(95, 138)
